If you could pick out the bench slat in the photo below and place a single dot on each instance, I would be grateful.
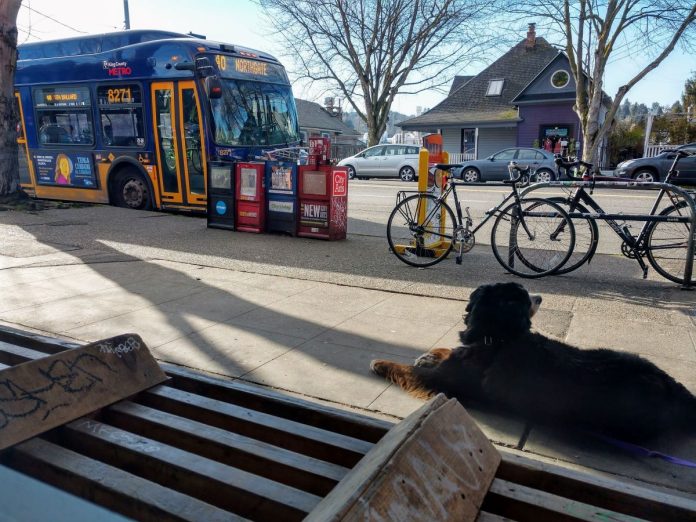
(223, 486)
(108, 486)
(263, 459)
(308, 440)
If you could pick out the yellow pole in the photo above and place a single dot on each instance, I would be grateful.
(425, 183)
(423, 158)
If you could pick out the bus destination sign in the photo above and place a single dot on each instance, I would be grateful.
(62, 97)
(245, 68)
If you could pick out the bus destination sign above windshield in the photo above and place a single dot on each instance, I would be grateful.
(241, 68)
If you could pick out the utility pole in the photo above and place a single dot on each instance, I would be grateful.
(126, 13)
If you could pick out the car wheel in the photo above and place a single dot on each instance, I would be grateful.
(407, 174)
(351, 172)
(471, 175)
(544, 176)
(645, 175)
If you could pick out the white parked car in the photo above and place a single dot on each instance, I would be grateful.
(384, 161)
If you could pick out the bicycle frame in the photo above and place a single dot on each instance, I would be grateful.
(636, 243)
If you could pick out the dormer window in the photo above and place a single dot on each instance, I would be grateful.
(495, 87)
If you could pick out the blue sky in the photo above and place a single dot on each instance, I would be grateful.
(242, 22)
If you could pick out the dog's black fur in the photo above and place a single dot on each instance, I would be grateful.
(502, 364)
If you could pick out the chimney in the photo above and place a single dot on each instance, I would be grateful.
(530, 43)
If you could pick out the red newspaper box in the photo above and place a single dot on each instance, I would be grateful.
(323, 201)
(250, 194)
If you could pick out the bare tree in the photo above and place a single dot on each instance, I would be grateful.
(371, 50)
(9, 175)
(596, 33)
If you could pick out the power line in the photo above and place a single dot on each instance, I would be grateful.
(53, 19)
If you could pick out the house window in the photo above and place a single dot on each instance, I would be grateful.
(495, 87)
(560, 79)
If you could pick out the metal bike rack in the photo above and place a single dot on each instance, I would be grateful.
(689, 283)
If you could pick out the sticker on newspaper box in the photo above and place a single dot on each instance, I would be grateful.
(285, 207)
(340, 183)
(314, 214)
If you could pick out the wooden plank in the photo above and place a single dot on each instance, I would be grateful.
(299, 471)
(513, 500)
(624, 497)
(308, 440)
(218, 484)
(257, 398)
(435, 465)
(42, 394)
(108, 486)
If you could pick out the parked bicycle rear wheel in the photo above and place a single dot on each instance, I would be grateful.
(667, 243)
(586, 237)
(536, 243)
(416, 234)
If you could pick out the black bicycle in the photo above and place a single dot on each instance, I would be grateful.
(531, 237)
(663, 238)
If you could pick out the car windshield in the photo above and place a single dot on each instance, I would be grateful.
(254, 113)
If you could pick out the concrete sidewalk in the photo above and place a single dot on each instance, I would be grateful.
(306, 317)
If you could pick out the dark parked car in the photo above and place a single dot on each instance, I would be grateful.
(656, 168)
(495, 166)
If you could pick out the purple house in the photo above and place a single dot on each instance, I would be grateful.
(523, 99)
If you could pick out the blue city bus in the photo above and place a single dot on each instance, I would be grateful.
(136, 118)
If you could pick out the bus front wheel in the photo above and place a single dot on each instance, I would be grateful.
(131, 191)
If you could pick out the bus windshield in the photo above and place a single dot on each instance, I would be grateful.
(254, 113)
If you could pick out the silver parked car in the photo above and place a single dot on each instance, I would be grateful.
(495, 166)
(384, 161)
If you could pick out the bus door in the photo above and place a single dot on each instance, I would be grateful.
(179, 142)
(26, 169)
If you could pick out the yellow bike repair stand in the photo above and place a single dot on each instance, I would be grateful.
(430, 183)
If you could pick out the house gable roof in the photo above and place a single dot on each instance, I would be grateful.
(541, 89)
(311, 115)
(468, 104)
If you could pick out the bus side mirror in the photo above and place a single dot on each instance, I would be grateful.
(213, 87)
(204, 68)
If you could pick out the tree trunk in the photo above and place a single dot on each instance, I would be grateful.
(9, 174)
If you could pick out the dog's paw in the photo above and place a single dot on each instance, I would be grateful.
(427, 360)
(378, 366)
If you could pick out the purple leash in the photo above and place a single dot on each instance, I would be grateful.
(645, 452)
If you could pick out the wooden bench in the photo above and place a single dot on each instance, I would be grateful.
(200, 448)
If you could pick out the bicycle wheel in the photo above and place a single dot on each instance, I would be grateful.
(667, 242)
(416, 234)
(586, 237)
(535, 244)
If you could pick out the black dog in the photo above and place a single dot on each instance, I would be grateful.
(503, 365)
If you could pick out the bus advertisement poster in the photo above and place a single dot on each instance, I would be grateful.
(74, 170)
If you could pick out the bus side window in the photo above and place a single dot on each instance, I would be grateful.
(64, 115)
(121, 115)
